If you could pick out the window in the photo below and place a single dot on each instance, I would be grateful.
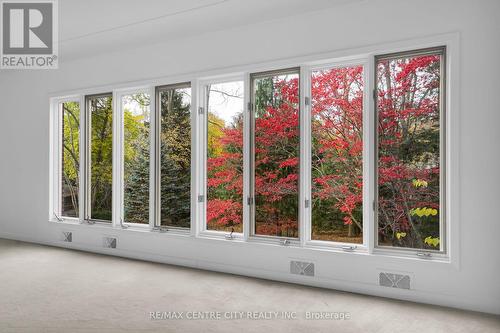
(275, 160)
(344, 172)
(175, 155)
(337, 154)
(100, 157)
(410, 113)
(136, 147)
(70, 159)
(225, 156)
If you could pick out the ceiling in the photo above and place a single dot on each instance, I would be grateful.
(93, 27)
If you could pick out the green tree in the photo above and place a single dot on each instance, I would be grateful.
(136, 159)
(175, 157)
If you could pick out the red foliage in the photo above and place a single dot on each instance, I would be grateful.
(337, 112)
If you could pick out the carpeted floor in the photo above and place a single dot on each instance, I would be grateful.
(46, 289)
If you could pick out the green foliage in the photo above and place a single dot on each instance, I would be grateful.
(70, 158)
(215, 133)
(136, 160)
(175, 157)
(101, 158)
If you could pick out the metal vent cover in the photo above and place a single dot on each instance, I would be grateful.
(67, 236)
(302, 268)
(394, 280)
(109, 242)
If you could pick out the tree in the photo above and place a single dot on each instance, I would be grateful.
(337, 153)
(101, 157)
(70, 159)
(175, 157)
(408, 156)
(225, 174)
(136, 159)
(408, 104)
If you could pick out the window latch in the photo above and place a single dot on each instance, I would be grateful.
(349, 248)
(123, 225)
(57, 217)
(424, 255)
(160, 229)
(87, 221)
(285, 242)
(230, 236)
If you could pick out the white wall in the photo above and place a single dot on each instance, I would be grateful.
(24, 145)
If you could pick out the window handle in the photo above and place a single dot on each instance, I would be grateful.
(123, 225)
(87, 221)
(424, 255)
(160, 229)
(57, 217)
(230, 236)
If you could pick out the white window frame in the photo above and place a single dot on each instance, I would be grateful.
(250, 133)
(119, 155)
(307, 143)
(85, 164)
(202, 121)
(444, 146)
(157, 159)
(56, 150)
(362, 55)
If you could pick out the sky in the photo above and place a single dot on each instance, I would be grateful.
(224, 106)
(226, 101)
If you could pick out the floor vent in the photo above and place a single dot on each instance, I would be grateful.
(109, 242)
(302, 268)
(393, 280)
(67, 236)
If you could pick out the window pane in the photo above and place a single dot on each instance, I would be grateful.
(136, 124)
(70, 163)
(225, 157)
(101, 157)
(276, 159)
(409, 151)
(337, 154)
(175, 156)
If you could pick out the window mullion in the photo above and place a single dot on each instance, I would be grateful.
(196, 162)
(86, 161)
(157, 161)
(369, 144)
(152, 157)
(117, 164)
(305, 156)
(81, 190)
(247, 216)
(202, 156)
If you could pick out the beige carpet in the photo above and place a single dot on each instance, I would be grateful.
(45, 289)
